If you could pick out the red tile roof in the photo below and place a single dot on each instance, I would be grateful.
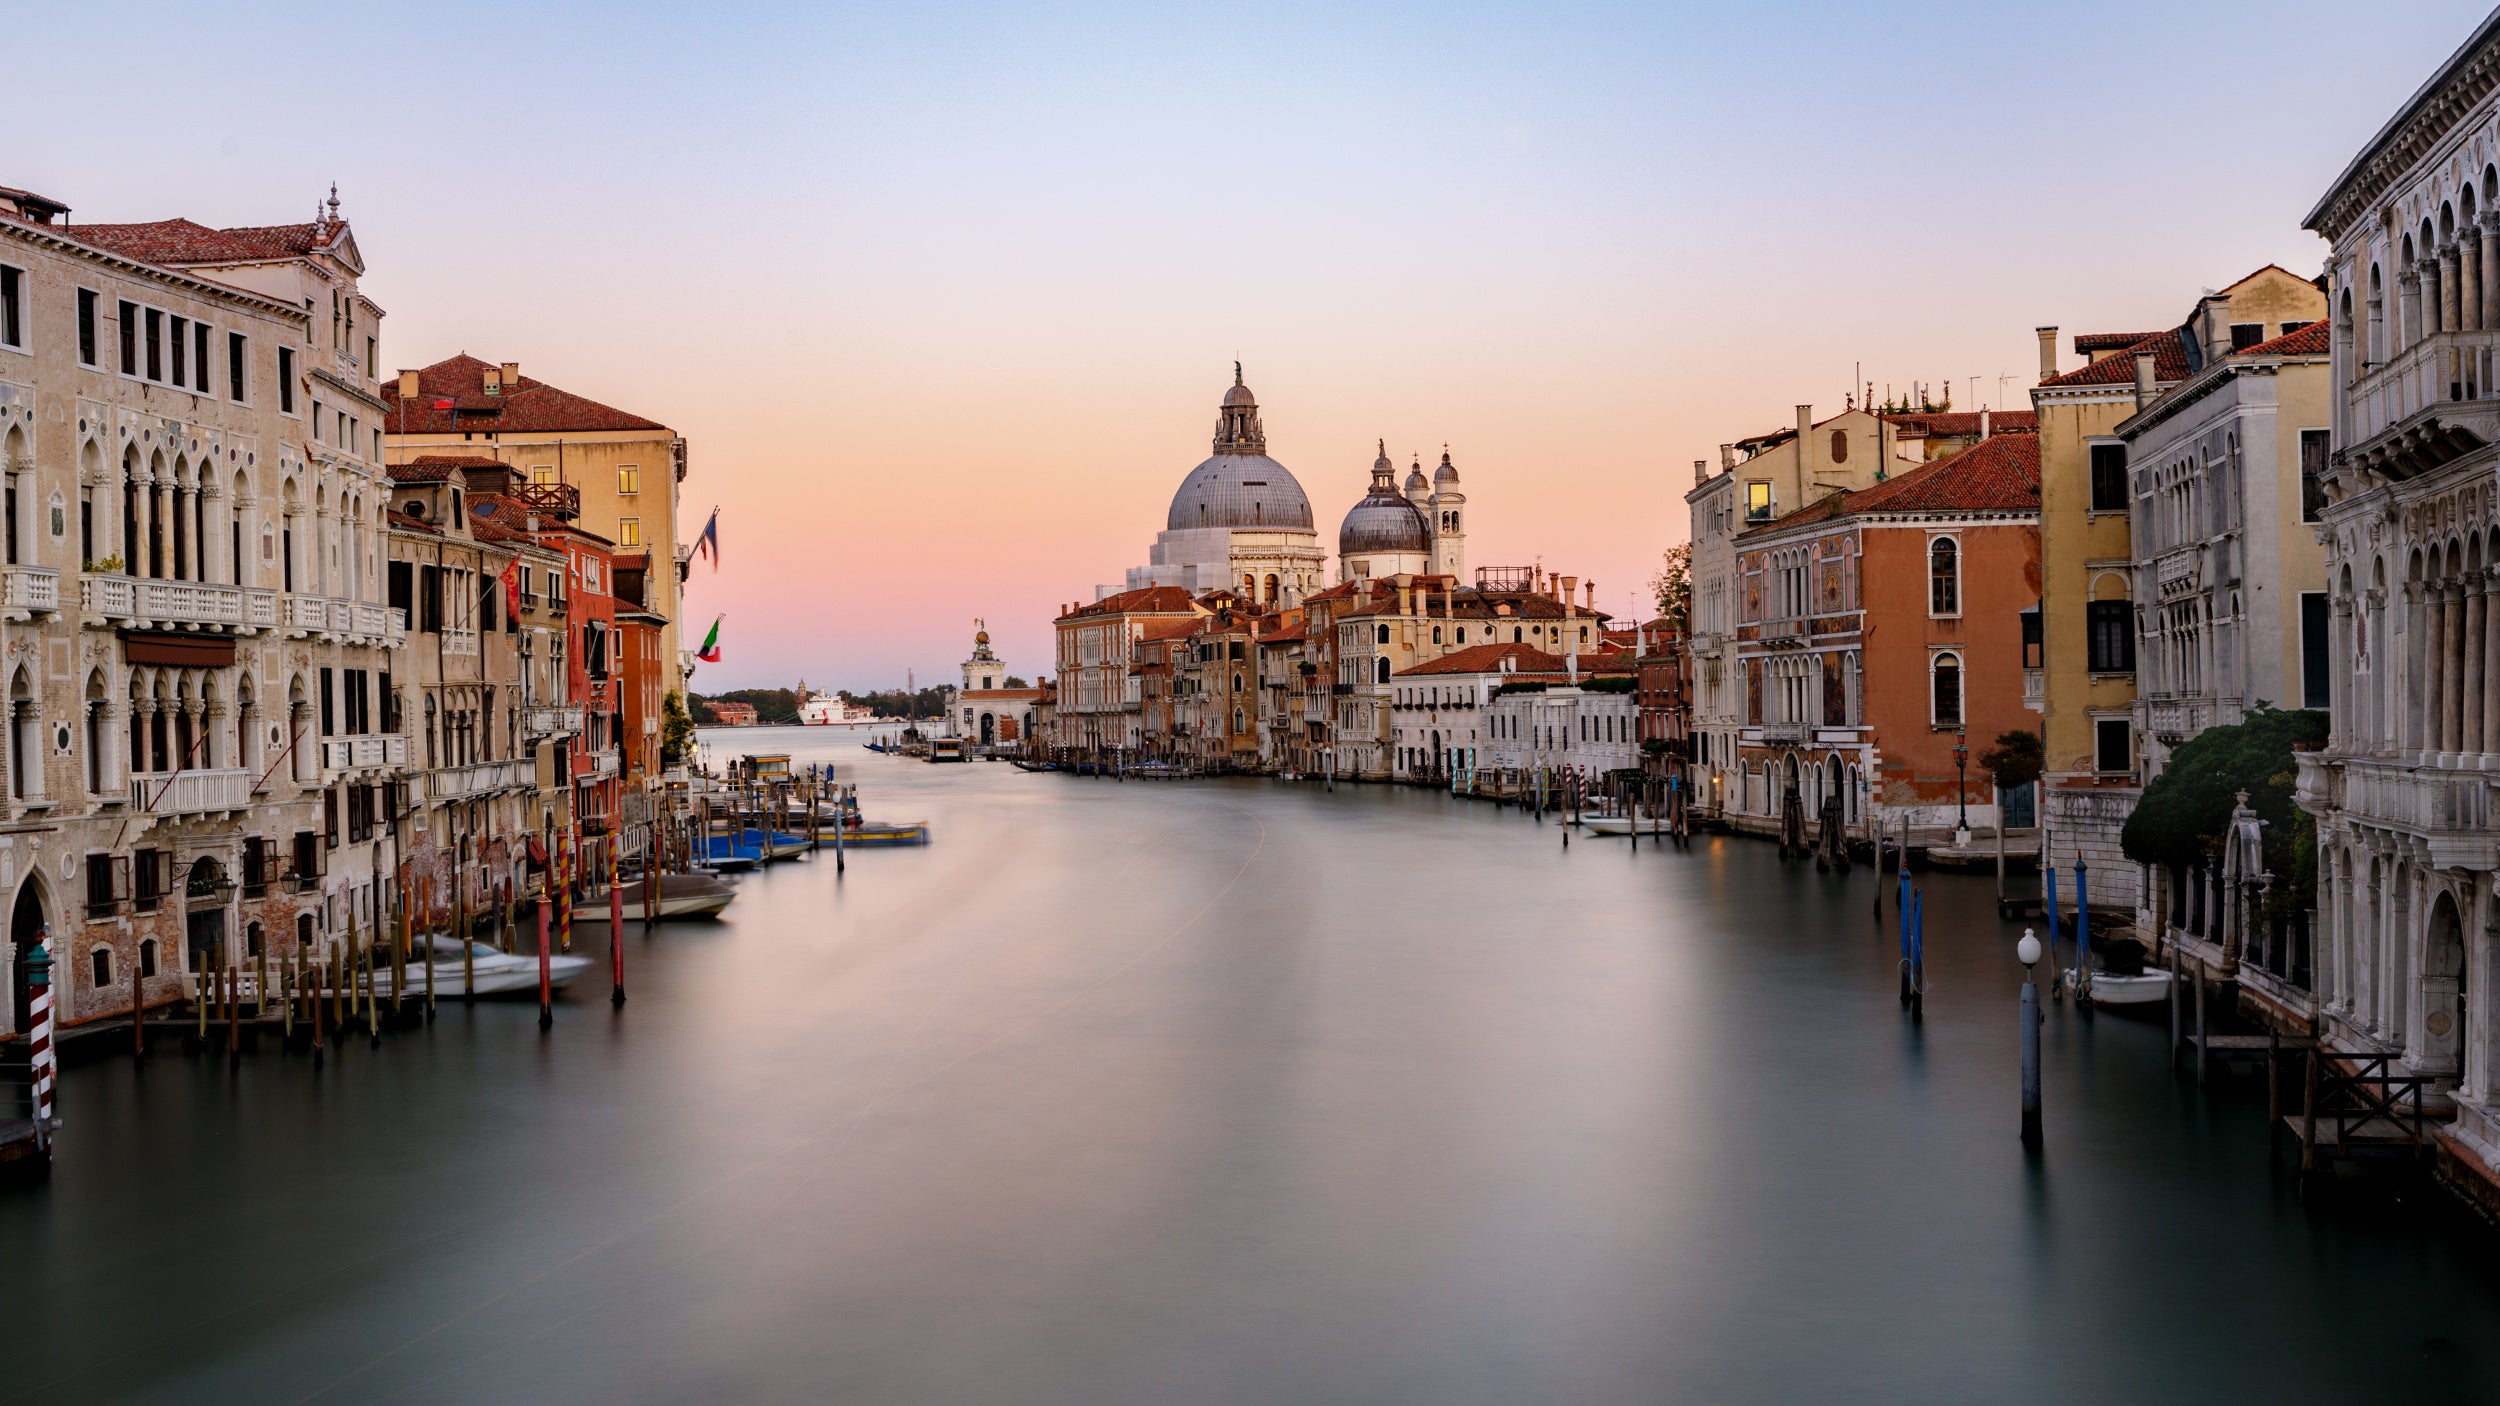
(527, 407)
(189, 242)
(2169, 363)
(2087, 343)
(2306, 341)
(1487, 659)
(1958, 422)
(1999, 474)
(1146, 600)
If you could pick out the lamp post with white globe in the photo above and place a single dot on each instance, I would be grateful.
(2028, 949)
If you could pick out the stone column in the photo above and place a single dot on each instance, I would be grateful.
(2451, 677)
(2451, 289)
(2470, 673)
(2469, 294)
(2408, 312)
(2422, 709)
(2429, 300)
(2490, 670)
(2487, 243)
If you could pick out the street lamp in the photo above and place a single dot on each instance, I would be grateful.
(1961, 785)
(2028, 951)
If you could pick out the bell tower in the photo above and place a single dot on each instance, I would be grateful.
(1447, 512)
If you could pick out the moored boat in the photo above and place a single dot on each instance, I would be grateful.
(681, 896)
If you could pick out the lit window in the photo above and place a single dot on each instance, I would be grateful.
(628, 479)
(1757, 501)
(629, 532)
(543, 475)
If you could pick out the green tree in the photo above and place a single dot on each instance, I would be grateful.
(1673, 585)
(2183, 815)
(2015, 760)
(676, 731)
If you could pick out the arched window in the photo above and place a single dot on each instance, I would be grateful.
(1436, 634)
(1946, 690)
(1381, 665)
(100, 974)
(1384, 635)
(1514, 634)
(1944, 577)
(1840, 446)
(147, 958)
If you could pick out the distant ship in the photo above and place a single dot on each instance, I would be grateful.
(829, 710)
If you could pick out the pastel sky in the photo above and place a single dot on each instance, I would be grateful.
(944, 295)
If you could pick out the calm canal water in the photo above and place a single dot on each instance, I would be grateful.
(1224, 1092)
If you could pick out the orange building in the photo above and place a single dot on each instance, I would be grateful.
(1873, 636)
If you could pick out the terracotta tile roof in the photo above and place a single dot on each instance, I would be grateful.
(2307, 341)
(423, 471)
(1998, 474)
(2087, 343)
(1487, 659)
(2170, 363)
(402, 520)
(1156, 630)
(527, 407)
(189, 242)
(1291, 636)
(1343, 590)
(453, 461)
(1956, 422)
(1145, 600)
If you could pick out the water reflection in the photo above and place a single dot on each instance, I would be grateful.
(1224, 1092)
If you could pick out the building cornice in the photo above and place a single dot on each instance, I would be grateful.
(2413, 133)
(63, 243)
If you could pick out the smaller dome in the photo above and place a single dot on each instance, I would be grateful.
(1446, 474)
(1383, 525)
(1239, 394)
(1415, 479)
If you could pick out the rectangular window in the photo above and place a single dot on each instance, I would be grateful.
(2031, 638)
(234, 366)
(2246, 334)
(12, 306)
(402, 589)
(255, 867)
(179, 341)
(199, 359)
(2113, 745)
(86, 327)
(286, 380)
(2110, 642)
(543, 475)
(430, 599)
(373, 358)
(2109, 478)
(628, 479)
(130, 339)
(147, 875)
(629, 532)
(2312, 474)
(155, 322)
(2315, 678)
(1757, 501)
(329, 714)
(2290, 327)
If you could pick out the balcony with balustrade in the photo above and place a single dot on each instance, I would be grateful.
(2426, 405)
(372, 752)
(149, 603)
(29, 591)
(200, 792)
(551, 720)
(599, 766)
(460, 783)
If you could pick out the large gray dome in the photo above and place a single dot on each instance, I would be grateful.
(1383, 525)
(1240, 490)
(1383, 521)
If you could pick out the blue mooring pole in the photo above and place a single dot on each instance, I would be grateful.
(2029, 950)
(1918, 959)
(1906, 921)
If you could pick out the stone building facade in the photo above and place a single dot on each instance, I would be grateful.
(2408, 904)
(199, 751)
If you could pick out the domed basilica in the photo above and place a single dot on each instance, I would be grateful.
(1241, 521)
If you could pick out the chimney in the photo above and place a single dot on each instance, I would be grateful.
(1727, 457)
(1570, 588)
(1983, 422)
(512, 374)
(1805, 427)
(1406, 597)
(1591, 588)
(491, 382)
(2143, 379)
(1701, 472)
(2214, 310)
(2048, 353)
(407, 385)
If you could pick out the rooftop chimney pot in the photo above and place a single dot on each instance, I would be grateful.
(2143, 379)
(2048, 353)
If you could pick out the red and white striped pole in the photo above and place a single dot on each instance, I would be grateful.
(39, 1044)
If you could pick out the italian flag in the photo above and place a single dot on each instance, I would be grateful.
(710, 652)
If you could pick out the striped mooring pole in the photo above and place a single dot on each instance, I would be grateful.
(39, 1043)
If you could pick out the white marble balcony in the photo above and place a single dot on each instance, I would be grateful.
(551, 720)
(201, 792)
(367, 753)
(29, 591)
(459, 783)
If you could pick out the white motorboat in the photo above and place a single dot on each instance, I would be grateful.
(495, 971)
(2145, 988)
(681, 896)
(1624, 824)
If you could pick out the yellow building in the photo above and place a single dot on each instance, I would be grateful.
(623, 468)
(2081, 672)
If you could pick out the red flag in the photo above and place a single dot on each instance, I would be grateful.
(512, 586)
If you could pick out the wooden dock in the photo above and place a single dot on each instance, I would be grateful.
(2358, 1108)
